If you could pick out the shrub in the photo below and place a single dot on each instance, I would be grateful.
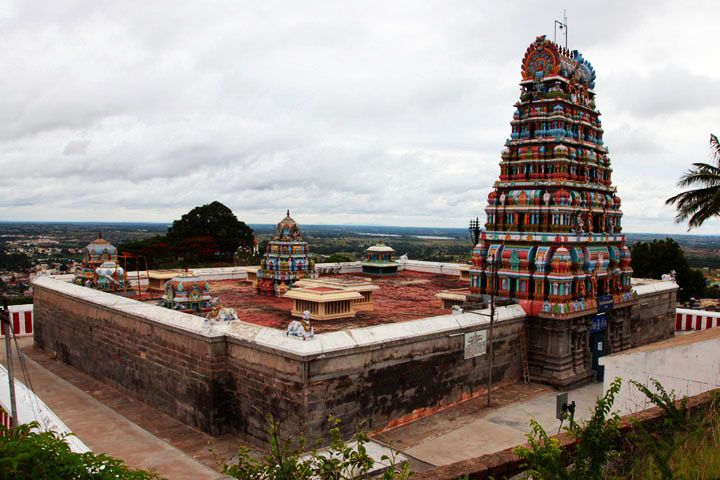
(26, 453)
(339, 461)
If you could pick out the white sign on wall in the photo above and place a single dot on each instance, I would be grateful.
(475, 344)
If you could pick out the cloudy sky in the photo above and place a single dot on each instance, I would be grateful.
(387, 112)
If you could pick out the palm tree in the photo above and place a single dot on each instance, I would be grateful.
(699, 204)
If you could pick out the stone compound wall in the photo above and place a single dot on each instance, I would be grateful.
(161, 357)
(228, 377)
(558, 348)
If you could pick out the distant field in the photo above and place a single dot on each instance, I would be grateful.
(427, 243)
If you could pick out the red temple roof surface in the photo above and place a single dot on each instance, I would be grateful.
(406, 296)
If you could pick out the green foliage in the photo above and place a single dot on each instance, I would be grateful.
(653, 259)
(596, 440)
(683, 445)
(28, 454)
(339, 461)
(206, 234)
(14, 262)
(338, 258)
(544, 458)
(213, 220)
(699, 204)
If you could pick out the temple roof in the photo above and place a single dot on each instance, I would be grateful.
(545, 59)
(381, 247)
(288, 230)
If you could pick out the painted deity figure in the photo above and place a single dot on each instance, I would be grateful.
(578, 224)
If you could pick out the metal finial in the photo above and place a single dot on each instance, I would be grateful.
(288, 212)
(562, 26)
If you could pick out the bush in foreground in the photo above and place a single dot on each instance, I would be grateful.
(338, 461)
(26, 453)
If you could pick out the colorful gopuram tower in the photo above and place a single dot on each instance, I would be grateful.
(100, 268)
(553, 218)
(286, 259)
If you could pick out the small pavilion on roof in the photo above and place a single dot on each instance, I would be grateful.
(364, 286)
(187, 293)
(323, 302)
(379, 260)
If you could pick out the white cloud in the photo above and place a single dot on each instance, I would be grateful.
(345, 112)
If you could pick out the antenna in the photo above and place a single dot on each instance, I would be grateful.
(562, 26)
(475, 230)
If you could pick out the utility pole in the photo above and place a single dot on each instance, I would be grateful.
(5, 318)
(491, 260)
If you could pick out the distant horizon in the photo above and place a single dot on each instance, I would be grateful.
(357, 225)
(357, 113)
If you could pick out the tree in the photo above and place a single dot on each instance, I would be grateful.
(338, 258)
(15, 262)
(701, 203)
(653, 259)
(26, 453)
(214, 220)
(156, 250)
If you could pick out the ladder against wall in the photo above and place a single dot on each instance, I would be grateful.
(522, 339)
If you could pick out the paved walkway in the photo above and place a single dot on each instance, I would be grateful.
(467, 431)
(105, 430)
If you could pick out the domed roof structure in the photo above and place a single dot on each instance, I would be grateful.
(287, 230)
(187, 293)
(379, 260)
(99, 251)
(380, 247)
(99, 258)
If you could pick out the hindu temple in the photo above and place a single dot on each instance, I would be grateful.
(380, 260)
(99, 268)
(553, 238)
(187, 293)
(286, 259)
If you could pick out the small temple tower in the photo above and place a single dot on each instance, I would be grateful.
(379, 260)
(187, 293)
(99, 268)
(286, 260)
(553, 238)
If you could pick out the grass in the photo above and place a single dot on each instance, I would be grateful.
(690, 453)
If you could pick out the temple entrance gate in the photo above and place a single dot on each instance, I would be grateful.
(598, 343)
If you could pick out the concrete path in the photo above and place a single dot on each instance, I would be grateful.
(104, 430)
(489, 430)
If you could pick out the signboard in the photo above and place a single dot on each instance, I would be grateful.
(561, 403)
(604, 303)
(475, 344)
(599, 323)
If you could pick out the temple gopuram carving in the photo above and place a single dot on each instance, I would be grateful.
(553, 238)
(286, 260)
(553, 218)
